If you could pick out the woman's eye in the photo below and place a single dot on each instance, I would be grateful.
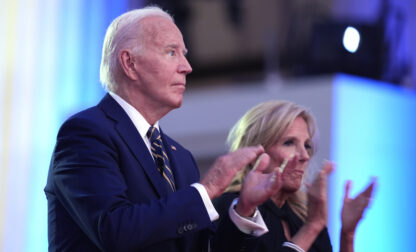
(288, 142)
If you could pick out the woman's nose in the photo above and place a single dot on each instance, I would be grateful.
(302, 154)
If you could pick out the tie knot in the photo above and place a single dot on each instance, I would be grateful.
(153, 134)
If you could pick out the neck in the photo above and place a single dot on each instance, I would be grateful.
(280, 198)
(150, 111)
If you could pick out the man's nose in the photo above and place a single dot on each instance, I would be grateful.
(184, 66)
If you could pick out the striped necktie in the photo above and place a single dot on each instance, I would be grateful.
(159, 154)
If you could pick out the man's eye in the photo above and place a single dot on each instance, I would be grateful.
(172, 53)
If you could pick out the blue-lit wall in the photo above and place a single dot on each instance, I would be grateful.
(374, 134)
(50, 52)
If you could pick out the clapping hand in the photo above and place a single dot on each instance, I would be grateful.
(317, 198)
(258, 186)
(353, 208)
(219, 176)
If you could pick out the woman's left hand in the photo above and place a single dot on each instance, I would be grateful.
(353, 209)
(258, 186)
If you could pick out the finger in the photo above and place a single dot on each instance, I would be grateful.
(365, 196)
(362, 202)
(368, 191)
(257, 149)
(276, 173)
(262, 162)
(285, 162)
(323, 180)
(319, 183)
(244, 156)
(370, 188)
(275, 181)
(328, 167)
(347, 189)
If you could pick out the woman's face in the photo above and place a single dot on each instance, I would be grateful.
(297, 142)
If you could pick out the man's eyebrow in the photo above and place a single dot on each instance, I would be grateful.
(175, 46)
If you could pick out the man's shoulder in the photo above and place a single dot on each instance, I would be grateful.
(93, 113)
(90, 113)
(95, 117)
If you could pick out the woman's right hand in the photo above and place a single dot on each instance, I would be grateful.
(317, 210)
(317, 198)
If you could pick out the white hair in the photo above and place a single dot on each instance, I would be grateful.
(123, 33)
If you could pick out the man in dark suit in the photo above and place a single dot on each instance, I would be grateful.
(111, 185)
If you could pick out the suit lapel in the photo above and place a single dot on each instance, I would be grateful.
(133, 140)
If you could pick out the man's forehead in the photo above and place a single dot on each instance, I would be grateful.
(156, 23)
(158, 29)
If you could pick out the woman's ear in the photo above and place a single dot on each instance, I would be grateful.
(127, 63)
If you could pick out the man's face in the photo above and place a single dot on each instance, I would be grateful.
(161, 64)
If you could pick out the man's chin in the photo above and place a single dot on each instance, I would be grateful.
(177, 104)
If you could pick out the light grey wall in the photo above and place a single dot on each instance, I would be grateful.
(206, 116)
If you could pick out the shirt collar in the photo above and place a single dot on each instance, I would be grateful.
(138, 120)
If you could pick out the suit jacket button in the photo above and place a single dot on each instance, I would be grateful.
(189, 227)
(180, 230)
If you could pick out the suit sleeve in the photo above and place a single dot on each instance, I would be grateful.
(89, 182)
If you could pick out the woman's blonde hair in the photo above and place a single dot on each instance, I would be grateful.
(265, 124)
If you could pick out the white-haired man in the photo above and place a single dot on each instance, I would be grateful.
(116, 182)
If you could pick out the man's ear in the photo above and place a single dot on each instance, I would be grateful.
(127, 64)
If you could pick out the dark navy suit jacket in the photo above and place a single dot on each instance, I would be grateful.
(105, 194)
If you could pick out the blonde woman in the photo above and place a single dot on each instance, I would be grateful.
(290, 219)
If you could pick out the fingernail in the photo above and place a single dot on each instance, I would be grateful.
(273, 177)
